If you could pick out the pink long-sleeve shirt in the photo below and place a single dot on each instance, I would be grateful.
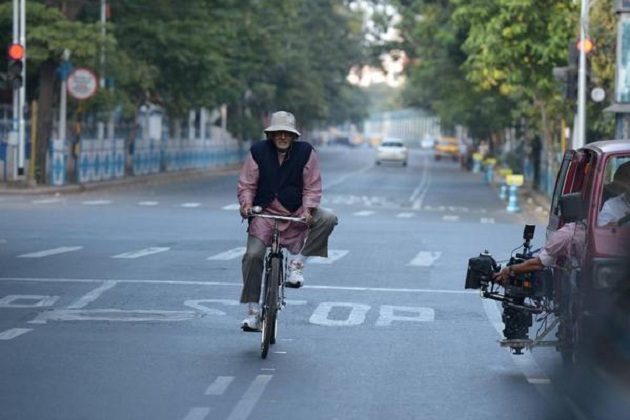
(292, 234)
(566, 242)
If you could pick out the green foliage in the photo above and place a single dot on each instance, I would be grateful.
(488, 63)
(255, 56)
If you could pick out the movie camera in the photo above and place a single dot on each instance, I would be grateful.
(523, 295)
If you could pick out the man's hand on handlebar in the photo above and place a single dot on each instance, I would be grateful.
(308, 217)
(245, 210)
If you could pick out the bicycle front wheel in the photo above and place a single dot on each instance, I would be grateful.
(270, 318)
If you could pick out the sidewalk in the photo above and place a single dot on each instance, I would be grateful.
(24, 188)
(535, 204)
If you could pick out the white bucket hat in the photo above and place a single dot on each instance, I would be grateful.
(282, 121)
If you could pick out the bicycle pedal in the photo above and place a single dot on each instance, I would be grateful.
(293, 285)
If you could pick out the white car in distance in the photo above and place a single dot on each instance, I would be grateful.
(392, 150)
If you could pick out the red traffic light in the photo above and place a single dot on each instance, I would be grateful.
(16, 51)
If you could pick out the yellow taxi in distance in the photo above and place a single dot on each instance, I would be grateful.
(446, 147)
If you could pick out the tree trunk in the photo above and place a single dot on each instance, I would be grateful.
(71, 10)
(45, 117)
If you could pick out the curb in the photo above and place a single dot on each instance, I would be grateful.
(158, 178)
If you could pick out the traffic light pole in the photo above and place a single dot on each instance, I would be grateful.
(22, 95)
(13, 136)
(580, 138)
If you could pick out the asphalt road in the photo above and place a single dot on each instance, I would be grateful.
(122, 303)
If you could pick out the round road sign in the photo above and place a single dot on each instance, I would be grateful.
(598, 94)
(82, 83)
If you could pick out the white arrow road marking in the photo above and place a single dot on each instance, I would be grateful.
(191, 205)
(13, 332)
(148, 203)
(53, 251)
(425, 258)
(142, 252)
(333, 255)
(450, 218)
(363, 213)
(231, 207)
(405, 215)
(228, 255)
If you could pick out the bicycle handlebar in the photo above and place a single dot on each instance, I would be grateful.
(256, 212)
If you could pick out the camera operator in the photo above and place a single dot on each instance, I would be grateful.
(562, 248)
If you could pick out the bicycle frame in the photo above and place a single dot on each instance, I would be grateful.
(274, 277)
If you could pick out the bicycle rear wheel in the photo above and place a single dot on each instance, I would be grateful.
(270, 306)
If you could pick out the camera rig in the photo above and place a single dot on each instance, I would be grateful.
(523, 297)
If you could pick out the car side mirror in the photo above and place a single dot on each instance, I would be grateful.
(572, 207)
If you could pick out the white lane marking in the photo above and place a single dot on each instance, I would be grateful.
(526, 363)
(364, 213)
(228, 255)
(235, 206)
(405, 215)
(54, 251)
(240, 284)
(197, 413)
(37, 301)
(219, 385)
(91, 296)
(421, 191)
(191, 205)
(425, 258)
(450, 218)
(96, 202)
(13, 332)
(341, 179)
(47, 201)
(333, 255)
(246, 404)
(199, 305)
(142, 252)
(148, 203)
(487, 220)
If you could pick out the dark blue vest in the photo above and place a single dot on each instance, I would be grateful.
(283, 181)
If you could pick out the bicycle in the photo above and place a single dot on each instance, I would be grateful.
(274, 280)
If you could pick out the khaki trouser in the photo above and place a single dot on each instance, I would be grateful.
(316, 246)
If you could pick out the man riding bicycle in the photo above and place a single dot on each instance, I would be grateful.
(281, 175)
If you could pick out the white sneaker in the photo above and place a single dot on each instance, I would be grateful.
(295, 278)
(252, 322)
